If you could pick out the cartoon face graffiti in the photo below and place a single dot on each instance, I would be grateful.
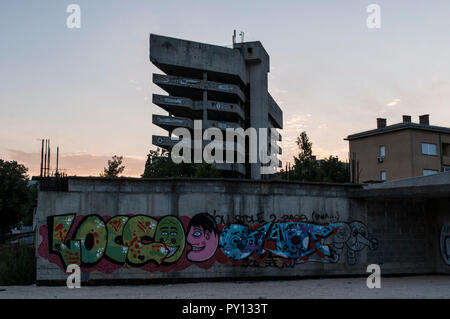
(445, 243)
(359, 237)
(446, 249)
(203, 236)
(170, 232)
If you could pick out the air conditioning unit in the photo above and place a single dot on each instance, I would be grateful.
(380, 159)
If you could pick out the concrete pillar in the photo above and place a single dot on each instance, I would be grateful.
(205, 98)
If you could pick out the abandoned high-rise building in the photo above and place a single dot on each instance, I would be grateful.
(223, 87)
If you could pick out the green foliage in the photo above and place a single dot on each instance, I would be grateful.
(17, 199)
(305, 147)
(114, 168)
(17, 265)
(334, 171)
(206, 170)
(159, 164)
(307, 168)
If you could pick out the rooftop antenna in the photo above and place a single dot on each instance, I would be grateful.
(45, 158)
(42, 155)
(48, 168)
(57, 160)
(241, 34)
(234, 37)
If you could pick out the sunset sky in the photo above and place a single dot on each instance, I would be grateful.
(89, 89)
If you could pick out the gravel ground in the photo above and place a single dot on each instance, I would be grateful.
(341, 288)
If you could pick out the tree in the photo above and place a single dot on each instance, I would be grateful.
(114, 168)
(334, 171)
(307, 168)
(17, 199)
(206, 170)
(159, 164)
(305, 147)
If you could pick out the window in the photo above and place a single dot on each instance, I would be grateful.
(427, 172)
(446, 149)
(383, 176)
(382, 151)
(446, 168)
(429, 149)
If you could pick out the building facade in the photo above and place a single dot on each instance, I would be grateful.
(223, 87)
(399, 151)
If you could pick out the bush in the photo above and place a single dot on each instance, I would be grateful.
(17, 265)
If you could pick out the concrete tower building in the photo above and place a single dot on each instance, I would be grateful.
(223, 87)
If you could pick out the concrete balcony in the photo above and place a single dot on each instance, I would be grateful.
(170, 123)
(275, 113)
(185, 107)
(222, 125)
(193, 88)
(178, 106)
(188, 58)
(167, 143)
(228, 111)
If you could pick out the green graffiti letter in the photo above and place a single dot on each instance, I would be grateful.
(115, 249)
(59, 227)
(92, 235)
(138, 236)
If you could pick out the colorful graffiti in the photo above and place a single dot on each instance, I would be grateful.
(203, 236)
(445, 244)
(161, 243)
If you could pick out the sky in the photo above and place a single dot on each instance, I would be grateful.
(89, 90)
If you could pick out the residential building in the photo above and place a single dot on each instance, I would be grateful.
(398, 151)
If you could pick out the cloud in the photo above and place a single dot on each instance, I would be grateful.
(292, 128)
(393, 102)
(80, 164)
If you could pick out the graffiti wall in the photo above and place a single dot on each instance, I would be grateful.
(170, 243)
(445, 243)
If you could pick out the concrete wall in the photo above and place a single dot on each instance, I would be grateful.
(283, 229)
(405, 233)
(441, 229)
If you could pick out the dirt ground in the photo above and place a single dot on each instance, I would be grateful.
(341, 288)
